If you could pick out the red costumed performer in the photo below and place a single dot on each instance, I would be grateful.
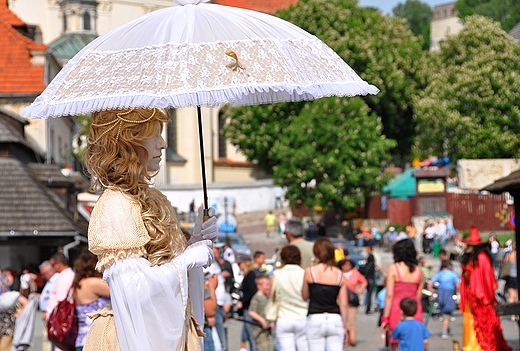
(481, 326)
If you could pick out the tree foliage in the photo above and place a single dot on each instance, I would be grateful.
(82, 130)
(507, 12)
(418, 15)
(346, 168)
(328, 152)
(381, 49)
(471, 107)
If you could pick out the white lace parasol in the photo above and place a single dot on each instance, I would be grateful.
(198, 54)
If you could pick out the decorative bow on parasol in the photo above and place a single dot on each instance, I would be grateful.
(198, 54)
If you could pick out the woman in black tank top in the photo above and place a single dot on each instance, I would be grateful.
(325, 288)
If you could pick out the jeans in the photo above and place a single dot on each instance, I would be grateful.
(494, 259)
(247, 335)
(208, 340)
(219, 325)
(368, 296)
(291, 335)
(325, 332)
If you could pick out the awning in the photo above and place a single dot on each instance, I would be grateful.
(403, 186)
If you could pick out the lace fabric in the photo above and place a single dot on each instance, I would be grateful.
(108, 257)
(173, 75)
(116, 228)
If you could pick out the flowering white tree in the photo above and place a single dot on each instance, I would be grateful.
(471, 106)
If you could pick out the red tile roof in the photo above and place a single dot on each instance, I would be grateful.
(9, 16)
(18, 75)
(231, 162)
(266, 6)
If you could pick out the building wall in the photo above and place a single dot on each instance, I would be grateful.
(476, 174)
(249, 197)
(444, 23)
(399, 211)
(236, 174)
(374, 208)
(111, 13)
(17, 257)
(37, 134)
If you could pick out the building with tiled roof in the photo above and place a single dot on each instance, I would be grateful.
(515, 32)
(63, 20)
(21, 58)
(37, 202)
(266, 6)
(444, 23)
(69, 44)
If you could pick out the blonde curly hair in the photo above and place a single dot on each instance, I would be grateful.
(116, 158)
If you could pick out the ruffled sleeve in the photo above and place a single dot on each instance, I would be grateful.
(150, 303)
(116, 230)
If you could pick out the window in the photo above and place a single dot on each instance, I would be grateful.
(171, 134)
(64, 22)
(86, 21)
(222, 153)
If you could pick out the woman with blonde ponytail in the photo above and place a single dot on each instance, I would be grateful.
(154, 274)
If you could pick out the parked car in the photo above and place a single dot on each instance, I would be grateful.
(238, 243)
(354, 253)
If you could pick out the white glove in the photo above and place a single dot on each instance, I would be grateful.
(204, 230)
(200, 254)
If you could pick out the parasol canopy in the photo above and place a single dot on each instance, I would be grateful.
(198, 54)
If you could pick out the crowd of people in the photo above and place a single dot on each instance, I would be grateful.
(317, 305)
(58, 280)
(310, 301)
(172, 291)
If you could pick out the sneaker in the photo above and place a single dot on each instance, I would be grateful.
(452, 318)
(445, 336)
(440, 319)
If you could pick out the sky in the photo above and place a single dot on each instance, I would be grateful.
(387, 5)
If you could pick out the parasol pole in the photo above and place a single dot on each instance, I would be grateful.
(203, 164)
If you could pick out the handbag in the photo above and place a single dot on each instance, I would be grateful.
(353, 298)
(505, 271)
(271, 309)
(62, 326)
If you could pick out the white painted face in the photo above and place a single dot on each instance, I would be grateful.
(154, 146)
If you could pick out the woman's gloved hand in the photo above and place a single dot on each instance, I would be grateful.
(199, 254)
(207, 230)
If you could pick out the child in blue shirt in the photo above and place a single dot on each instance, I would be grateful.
(412, 334)
(448, 282)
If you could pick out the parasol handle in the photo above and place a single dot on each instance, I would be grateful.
(205, 211)
(202, 163)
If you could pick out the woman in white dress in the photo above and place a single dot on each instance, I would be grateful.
(142, 252)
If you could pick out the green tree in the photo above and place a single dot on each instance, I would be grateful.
(327, 152)
(83, 126)
(381, 49)
(418, 15)
(507, 12)
(470, 108)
